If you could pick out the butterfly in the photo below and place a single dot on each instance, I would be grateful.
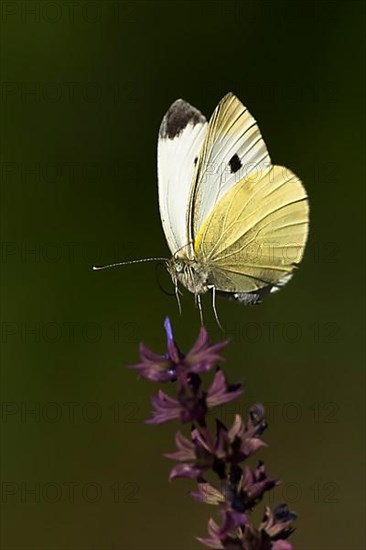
(235, 223)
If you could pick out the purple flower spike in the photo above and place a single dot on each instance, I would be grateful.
(212, 449)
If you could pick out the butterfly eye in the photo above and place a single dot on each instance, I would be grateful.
(179, 266)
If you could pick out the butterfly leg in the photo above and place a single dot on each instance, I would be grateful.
(199, 304)
(177, 292)
(214, 306)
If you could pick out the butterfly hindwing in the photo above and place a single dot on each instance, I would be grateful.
(256, 234)
(181, 135)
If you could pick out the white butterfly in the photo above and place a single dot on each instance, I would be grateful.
(234, 223)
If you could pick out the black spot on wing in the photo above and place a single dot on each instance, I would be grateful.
(195, 161)
(178, 116)
(235, 164)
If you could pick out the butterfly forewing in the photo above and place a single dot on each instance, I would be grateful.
(180, 138)
(233, 147)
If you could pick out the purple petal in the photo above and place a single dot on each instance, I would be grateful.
(222, 441)
(185, 470)
(200, 441)
(186, 449)
(214, 540)
(168, 330)
(208, 493)
(213, 528)
(236, 428)
(180, 456)
(183, 442)
(172, 347)
(232, 520)
(220, 392)
(165, 408)
(210, 542)
(148, 355)
(250, 446)
(153, 372)
(202, 357)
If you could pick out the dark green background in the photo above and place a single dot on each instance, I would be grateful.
(84, 88)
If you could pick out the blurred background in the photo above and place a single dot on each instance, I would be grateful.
(84, 87)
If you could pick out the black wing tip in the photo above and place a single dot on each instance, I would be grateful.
(179, 115)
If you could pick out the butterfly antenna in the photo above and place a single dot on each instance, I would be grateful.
(99, 268)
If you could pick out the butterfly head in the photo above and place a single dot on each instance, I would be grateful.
(190, 273)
